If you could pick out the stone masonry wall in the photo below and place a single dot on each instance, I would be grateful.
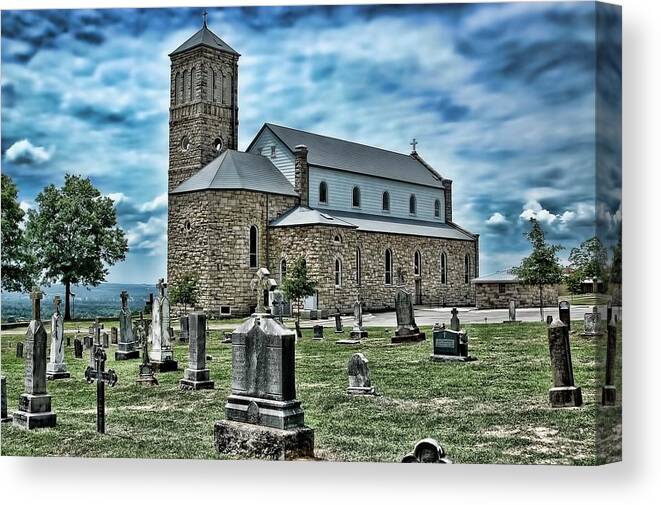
(488, 295)
(209, 234)
(318, 245)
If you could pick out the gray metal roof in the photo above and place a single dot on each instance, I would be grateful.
(205, 37)
(329, 152)
(367, 222)
(501, 277)
(305, 216)
(238, 170)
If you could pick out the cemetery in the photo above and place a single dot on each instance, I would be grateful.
(275, 396)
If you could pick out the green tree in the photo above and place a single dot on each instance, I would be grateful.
(587, 261)
(74, 235)
(542, 267)
(297, 284)
(18, 268)
(184, 291)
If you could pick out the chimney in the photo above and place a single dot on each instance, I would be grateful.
(302, 174)
(447, 186)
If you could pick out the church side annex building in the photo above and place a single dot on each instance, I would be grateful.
(357, 214)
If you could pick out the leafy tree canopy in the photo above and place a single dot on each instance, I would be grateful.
(184, 290)
(74, 234)
(296, 284)
(18, 267)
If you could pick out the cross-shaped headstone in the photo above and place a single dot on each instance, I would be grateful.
(413, 144)
(262, 283)
(454, 321)
(98, 374)
(36, 297)
(161, 287)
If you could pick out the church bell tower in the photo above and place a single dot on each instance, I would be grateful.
(204, 112)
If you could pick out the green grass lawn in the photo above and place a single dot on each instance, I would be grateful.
(494, 410)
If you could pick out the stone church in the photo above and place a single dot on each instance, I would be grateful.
(359, 215)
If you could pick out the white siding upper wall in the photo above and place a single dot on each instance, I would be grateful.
(283, 159)
(340, 188)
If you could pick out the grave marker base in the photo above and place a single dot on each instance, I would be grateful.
(196, 379)
(440, 358)
(608, 396)
(358, 334)
(34, 412)
(169, 365)
(348, 342)
(565, 397)
(253, 441)
(408, 338)
(358, 391)
(57, 375)
(126, 355)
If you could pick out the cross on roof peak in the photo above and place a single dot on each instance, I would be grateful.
(413, 144)
(204, 17)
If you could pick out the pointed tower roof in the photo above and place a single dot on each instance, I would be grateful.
(204, 37)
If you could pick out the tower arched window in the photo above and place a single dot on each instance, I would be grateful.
(323, 192)
(467, 268)
(437, 208)
(212, 79)
(388, 266)
(355, 197)
(417, 263)
(176, 88)
(385, 201)
(253, 247)
(217, 92)
(186, 84)
(444, 268)
(227, 89)
(338, 272)
(359, 266)
(192, 85)
(412, 204)
(179, 88)
(283, 269)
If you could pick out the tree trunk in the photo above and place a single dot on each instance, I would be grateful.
(67, 296)
(541, 301)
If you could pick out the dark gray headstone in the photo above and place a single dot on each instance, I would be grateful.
(563, 393)
(427, 451)
(549, 319)
(338, 323)
(608, 392)
(113, 335)
(564, 313)
(299, 333)
(196, 376)
(183, 328)
(318, 332)
(3, 400)
(19, 349)
(407, 329)
(77, 348)
(454, 320)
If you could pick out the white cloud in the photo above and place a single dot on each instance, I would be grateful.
(533, 209)
(117, 197)
(149, 236)
(159, 202)
(497, 219)
(24, 152)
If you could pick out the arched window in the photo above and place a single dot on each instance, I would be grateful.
(227, 89)
(283, 269)
(186, 83)
(388, 266)
(444, 268)
(254, 250)
(437, 208)
(417, 263)
(359, 267)
(323, 192)
(176, 88)
(178, 94)
(218, 87)
(338, 272)
(212, 78)
(192, 84)
(355, 197)
(412, 204)
(385, 201)
(467, 269)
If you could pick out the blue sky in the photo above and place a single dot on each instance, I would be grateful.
(501, 98)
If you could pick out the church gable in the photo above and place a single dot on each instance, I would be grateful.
(272, 148)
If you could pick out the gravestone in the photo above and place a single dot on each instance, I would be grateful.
(196, 376)
(34, 406)
(183, 328)
(98, 373)
(161, 355)
(449, 345)
(3, 401)
(407, 330)
(318, 332)
(608, 391)
(563, 393)
(68, 341)
(609, 312)
(564, 314)
(113, 335)
(549, 319)
(359, 376)
(591, 323)
(105, 340)
(96, 340)
(146, 375)
(297, 328)
(263, 418)
(357, 331)
(57, 368)
(88, 341)
(126, 343)
(455, 325)
(338, 323)
(427, 451)
(77, 348)
(278, 304)
(19, 349)
(511, 312)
